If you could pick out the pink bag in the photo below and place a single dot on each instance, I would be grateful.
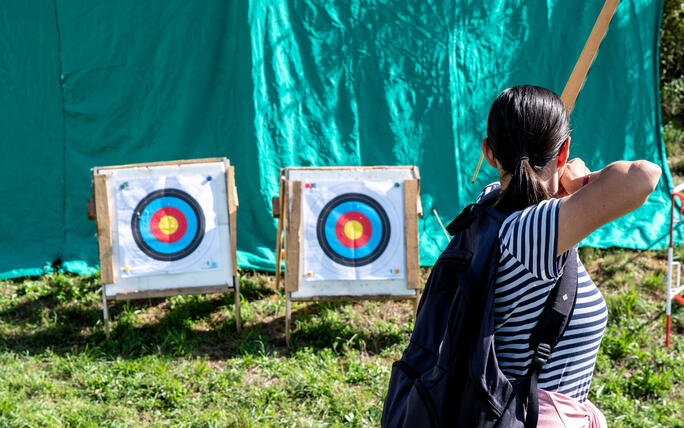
(558, 410)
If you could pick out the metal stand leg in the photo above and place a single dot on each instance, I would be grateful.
(105, 311)
(288, 316)
(238, 317)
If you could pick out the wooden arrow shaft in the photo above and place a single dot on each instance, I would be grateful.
(579, 73)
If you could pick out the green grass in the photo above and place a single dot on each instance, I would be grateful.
(637, 381)
(180, 361)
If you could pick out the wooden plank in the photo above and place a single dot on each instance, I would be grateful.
(104, 228)
(236, 295)
(416, 173)
(279, 230)
(150, 294)
(275, 207)
(411, 233)
(419, 204)
(162, 163)
(351, 298)
(90, 204)
(292, 235)
(288, 317)
(231, 196)
(300, 168)
(579, 73)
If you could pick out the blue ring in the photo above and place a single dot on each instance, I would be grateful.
(331, 223)
(327, 239)
(151, 246)
(146, 229)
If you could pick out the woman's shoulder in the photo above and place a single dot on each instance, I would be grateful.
(531, 236)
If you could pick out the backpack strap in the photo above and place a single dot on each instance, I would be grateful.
(553, 322)
(470, 213)
(463, 220)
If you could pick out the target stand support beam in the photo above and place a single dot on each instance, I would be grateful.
(278, 209)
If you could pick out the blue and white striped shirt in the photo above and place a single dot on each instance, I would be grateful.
(528, 270)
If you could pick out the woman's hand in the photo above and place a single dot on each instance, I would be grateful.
(572, 177)
(616, 190)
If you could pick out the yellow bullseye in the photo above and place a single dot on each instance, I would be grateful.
(353, 229)
(168, 224)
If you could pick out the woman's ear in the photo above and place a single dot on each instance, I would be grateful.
(564, 153)
(488, 153)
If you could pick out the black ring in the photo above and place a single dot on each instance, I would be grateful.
(167, 257)
(384, 221)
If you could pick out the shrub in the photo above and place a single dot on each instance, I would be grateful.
(671, 36)
(672, 63)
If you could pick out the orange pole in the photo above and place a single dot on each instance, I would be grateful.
(667, 331)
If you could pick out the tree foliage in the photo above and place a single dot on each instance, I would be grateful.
(672, 62)
(672, 40)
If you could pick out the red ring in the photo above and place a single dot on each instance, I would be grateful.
(361, 240)
(172, 212)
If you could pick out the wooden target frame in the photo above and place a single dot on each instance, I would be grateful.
(287, 208)
(101, 208)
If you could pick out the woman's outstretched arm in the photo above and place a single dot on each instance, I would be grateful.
(610, 193)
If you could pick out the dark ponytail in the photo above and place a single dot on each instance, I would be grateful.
(526, 128)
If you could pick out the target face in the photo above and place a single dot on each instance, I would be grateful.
(353, 229)
(168, 224)
(170, 220)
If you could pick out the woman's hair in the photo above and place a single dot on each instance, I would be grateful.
(526, 128)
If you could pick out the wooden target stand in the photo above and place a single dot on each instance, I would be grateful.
(287, 208)
(100, 209)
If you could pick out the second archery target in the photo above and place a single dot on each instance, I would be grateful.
(349, 233)
(353, 230)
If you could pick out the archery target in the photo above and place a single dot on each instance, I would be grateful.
(167, 225)
(353, 230)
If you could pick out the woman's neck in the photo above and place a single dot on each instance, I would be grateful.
(548, 177)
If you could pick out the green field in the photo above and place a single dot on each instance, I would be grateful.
(180, 361)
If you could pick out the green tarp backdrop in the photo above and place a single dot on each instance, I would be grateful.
(276, 83)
